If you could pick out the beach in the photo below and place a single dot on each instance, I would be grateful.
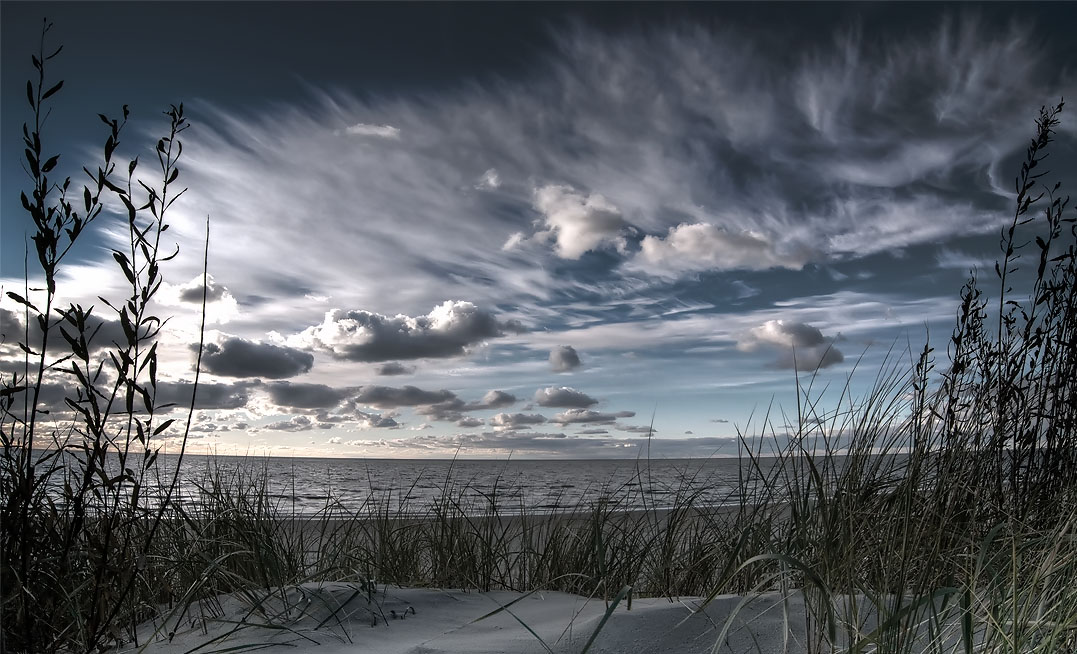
(341, 618)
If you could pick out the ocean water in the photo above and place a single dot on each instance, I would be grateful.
(309, 485)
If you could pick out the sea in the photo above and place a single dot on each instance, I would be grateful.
(413, 486)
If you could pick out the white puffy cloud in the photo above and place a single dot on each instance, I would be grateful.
(296, 423)
(563, 397)
(516, 420)
(578, 223)
(703, 246)
(361, 335)
(490, 180)
(797, 345)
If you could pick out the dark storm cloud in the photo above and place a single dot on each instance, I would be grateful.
(452, 408)
(394, 368)
(447, 331)
(238, 357)
(99, 332)
(305, 396)
(797, 345)
(389, 397)
(209, 396)
(564, 358)
(192, 291)
(586, 416)
(563, 397)
(10, 327)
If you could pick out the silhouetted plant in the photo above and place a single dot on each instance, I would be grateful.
(79, 510)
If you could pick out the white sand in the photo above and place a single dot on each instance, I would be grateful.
(340, 618)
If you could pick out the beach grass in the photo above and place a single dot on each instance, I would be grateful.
(936, 513)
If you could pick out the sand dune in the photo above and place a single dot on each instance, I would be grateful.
(341, 618)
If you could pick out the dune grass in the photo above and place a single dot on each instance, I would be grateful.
(938, 513)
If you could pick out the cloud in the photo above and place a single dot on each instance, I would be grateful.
(516, 420)
(798, 345)
(555, 444)
(379, 131)
(305, 396)
(192, 291)
(364, 336)
(238, 357)
(492, 400)
(469, 421)
(578, 223)
(703, 246)
(389, 397)
(452, 409)
(209, 396)
(637, 429)
(394, 368)
(295, 424)
(100, 332)
(586, 416)
(489, 181)
(564, 358)
(377, 421)
(563, 397)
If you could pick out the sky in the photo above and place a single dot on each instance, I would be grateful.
(540, 230)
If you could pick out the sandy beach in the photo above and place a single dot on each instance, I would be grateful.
(341, 618)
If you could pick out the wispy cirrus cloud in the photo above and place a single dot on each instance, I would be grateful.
(788, 182)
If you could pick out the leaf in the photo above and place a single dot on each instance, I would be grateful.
(21, 300)
(121, 259)
(50, 164)
(31, 158)
(53, 90)
(11, 390)
(30, 93)
(173, 176)
(163, 426)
